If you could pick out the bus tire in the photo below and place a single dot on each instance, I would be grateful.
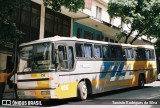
(141, 81)
(82, 91)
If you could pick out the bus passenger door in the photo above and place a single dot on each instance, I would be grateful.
(62, 56)
(63, 70)
(66, 64)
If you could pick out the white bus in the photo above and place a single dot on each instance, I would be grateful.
(65, 67)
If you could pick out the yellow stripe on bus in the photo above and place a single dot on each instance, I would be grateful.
(95, 82)
(66, 90)
(43, 84)
(40, 75)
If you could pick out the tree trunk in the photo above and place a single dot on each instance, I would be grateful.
(126, 40)
(127, 37)
(135, 38)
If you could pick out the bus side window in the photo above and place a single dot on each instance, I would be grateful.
(140, 54)
(116, 52)
(63, 60)
(129, 53)
(113, 52)
(71, 57)
(124, 54)
(97, 51)
(79, 50)
(88, 50)
(105, 52)
(150, 54)
(147, 52)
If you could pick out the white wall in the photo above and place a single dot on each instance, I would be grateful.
(105, 16)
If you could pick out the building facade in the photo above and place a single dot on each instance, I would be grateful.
(39, 22)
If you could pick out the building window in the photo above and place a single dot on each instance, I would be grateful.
(28, 21)
(88, 35)
(111, 40)
(79, 33)
(98, 12)
(98, 37)
(106, 39)
(56, 24)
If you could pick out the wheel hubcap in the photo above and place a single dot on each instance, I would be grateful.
(84, 90)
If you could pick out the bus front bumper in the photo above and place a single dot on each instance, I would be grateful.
(37, 94)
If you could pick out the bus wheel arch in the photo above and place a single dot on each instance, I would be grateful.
(84, 88)
(141, 80)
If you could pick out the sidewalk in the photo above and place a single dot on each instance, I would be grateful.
(8, 93)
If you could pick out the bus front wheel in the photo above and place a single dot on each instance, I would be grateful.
(141, 81)
(82, 90)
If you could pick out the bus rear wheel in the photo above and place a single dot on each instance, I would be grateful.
(141, 81)
(82, 91)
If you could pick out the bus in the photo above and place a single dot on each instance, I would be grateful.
(66, 67)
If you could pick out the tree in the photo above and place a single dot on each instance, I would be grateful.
(157, 44)
(141, 16)
(8, 29)
(72, 5)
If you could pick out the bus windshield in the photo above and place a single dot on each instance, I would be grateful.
(36, 57)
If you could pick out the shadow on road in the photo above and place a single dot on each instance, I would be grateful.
(74, 101)
(115, 92)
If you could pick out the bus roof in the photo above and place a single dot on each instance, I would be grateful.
(59, 38)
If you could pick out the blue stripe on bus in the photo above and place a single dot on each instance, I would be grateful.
(120, 72)
(114, 72)
(106, 66)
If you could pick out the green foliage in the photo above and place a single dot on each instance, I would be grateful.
(120, 35)
(8, 30)
(72, 5)
(9, 33)
(158, 48)
(142, 15)
(8, 7)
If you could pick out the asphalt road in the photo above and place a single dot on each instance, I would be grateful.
(148, 97)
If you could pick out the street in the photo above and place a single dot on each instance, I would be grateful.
(151, 91)
(123, 98)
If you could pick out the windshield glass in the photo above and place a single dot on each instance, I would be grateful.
(36, 57)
